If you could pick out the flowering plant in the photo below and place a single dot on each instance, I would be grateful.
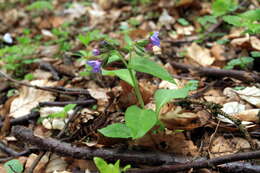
(138, 119)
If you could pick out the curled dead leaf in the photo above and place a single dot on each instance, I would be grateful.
(200, 55)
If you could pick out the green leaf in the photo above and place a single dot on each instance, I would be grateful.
(40, 5)
(192, 85)
(13, 166)
(207, 19)
(183, 22)
(251, 15)
(101, 164)
(242, 62)
(116, 130)
(69, 107)
(233, 20)
(163, 96)
(123, 74)
(221, 7)
(57, 115)
(255, 54)
(146, 65)
(140, 121)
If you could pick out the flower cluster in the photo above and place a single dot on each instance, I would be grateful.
(153, 45)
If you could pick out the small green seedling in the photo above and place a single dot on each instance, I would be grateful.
(13, 166)
(40, 6)
(62, 114)
(105, 167)
(242, 62)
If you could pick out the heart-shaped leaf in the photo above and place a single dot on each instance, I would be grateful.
(163, 96)
(123, 74)
(116, 130)
(146, 65)
(140, 121)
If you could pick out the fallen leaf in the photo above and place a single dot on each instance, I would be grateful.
(250, 94)
(29, 98)
(56, 163)
(255, 43)
(166, 19)
(200, 55)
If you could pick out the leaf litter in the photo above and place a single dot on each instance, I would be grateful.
(186, 129)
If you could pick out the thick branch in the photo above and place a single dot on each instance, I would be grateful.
(214, 72)
(65, 149)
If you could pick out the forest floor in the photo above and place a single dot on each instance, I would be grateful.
(58, 111)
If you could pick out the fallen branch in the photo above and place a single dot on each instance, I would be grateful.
(59, 90)
(65, 149)
(23, 119)
(214, 72)
(77, 102)
(201, 163)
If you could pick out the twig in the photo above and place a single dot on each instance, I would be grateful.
(214, 72)
(49, 89)
(78, 102)
(23, 119)
(49, 67)
(65, 149)
(7, 150)
(200, 163)
(239, 167)
(75, 111)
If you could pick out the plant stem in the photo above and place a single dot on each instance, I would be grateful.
(133, 77)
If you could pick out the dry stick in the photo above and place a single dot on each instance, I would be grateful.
(239, 167)
(23, 119)
(65, 149)
(78, 102)
(201, 163)
(50, 89)
(207, 71)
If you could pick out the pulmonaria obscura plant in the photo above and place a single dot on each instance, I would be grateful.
(138, 119)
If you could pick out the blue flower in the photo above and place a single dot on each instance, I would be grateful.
(96, 52)
(155, 40)
(96, 65)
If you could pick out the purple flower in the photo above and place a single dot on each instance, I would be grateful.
(96, 65)
(155, 40)
(96, 52)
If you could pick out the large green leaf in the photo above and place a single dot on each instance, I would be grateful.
(122, 74)
(163, 96)
(221, 7)
(146, 65)
(116, 130)
(13, 166)
(140, 121)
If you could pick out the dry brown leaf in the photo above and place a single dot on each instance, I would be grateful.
(250, 94)
(41, 164)
(56, 163)
(250, 115)
(221, 146)
(200, 55)
(218, 51)
(173, 142)
(255, 43)
(183, 3)
(166, 19)
(29, 98)
(178, 119)
(184, 30)
(97, 14)
(215, 96)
